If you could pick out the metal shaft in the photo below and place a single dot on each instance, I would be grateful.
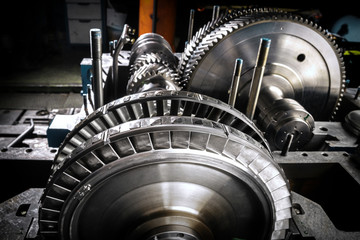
(96, 52)
(89, 97)
(287, 145)
(216, 13)
(85, 102)
(191, 24)
(257, 77)
(235, 82)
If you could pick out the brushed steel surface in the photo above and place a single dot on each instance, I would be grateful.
(194, 176)
(301, 54)
(156, 103)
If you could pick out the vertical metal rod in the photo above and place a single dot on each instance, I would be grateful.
(215, 13)
(89, 97)
(85, 104)
(191, 25)
(257, 77)
(287, 144)
(96, 52)
(235, 82)
(124, 38)
(154, 16)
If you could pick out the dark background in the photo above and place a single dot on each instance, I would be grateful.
(31, 31)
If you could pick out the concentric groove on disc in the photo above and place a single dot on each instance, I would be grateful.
(161, 134)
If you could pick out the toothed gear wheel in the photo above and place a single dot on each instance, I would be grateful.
(167, 176)
(153, 76)
(153, 66)
(152, 43)
(304, 60)
(191, 46)
(194, 41)
(150, 58)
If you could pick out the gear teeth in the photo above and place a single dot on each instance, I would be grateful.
(206, 44)
(148, 71)
(208, 36)
(191, 46)
(149, 58)
(200, 34)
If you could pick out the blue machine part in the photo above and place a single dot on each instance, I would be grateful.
(60, 126)
(85, 65)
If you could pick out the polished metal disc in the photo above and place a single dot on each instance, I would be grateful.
(303, 61)
(167, 177)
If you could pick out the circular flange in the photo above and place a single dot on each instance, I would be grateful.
(193, 176)
(352, 122)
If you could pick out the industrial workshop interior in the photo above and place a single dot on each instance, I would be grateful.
(179, 120)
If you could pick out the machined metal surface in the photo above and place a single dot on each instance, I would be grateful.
(151, 73)
(352, 122)
(235, 82)
(314, 223)
(96, 55)
(281, 117)
(325, 192)
(156, 103)
(152, 65)
(332, 136)
(152, 43)
(191, 25)
(258, 75)
(168, 164)
(303, 61)
(18, 217)
(203, 179)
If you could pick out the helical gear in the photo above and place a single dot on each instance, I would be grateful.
(194, 75)
(154, 76)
